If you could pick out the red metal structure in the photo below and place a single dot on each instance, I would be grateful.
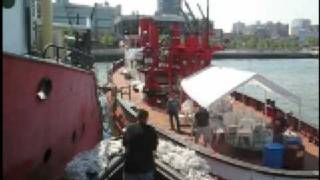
(167, 63)
(40, 136)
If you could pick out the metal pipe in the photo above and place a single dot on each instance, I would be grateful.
(46, 32)
(200, 9)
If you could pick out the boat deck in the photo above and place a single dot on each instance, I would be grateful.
(160, 119)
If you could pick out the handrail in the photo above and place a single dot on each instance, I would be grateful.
(58, 48)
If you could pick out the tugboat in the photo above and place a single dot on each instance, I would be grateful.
(244, 125)
(50, 109)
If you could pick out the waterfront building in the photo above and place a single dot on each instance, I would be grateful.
(298, 25)
(128, 24)
(168, 7)
(218, 34)
(250, 29)
(268, 30)
(238, 28)
(99, 18)
(302, 29)
(277, 30)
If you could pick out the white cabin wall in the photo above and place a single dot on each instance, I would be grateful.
(14, 29)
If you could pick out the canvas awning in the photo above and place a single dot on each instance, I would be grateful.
(212, 83)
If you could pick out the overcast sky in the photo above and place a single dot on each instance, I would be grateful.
(226, 12)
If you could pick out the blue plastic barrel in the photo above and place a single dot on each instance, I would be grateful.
(273, 155)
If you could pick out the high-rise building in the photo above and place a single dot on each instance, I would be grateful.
(277, 30)
(267, 30)
(298, 25)
(168, 7)
(238, 28)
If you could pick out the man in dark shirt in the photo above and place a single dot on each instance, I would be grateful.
(279, 125)
(140, 140)
(173, 111)
(201, 126)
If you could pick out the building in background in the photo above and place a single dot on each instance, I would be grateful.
(267, 30)
(218, 34)
(298, 25)
(303, 29)
(99, 18)
(238, 28)
(277, 30)
(126, 27)
(168, 7)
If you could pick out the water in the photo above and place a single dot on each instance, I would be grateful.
(299, 76)
(100, 70)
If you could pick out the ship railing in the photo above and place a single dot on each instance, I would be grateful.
(220, 162)
(308, 130)
(72, 56)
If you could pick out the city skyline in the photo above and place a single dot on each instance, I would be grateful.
(246, 11)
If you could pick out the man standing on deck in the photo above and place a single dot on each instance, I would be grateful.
(201, 126)
(279, 125)
(140, 140)
(173, 111)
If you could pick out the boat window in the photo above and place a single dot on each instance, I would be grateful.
(8, 3)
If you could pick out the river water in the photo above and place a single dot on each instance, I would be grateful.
(299, 76)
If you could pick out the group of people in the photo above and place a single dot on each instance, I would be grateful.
(140, 140)
(200, 123)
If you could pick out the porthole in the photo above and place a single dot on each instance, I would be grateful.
(74, 137)
(47, 155)
(44, 89)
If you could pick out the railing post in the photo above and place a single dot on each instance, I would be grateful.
(129, 92)
(57, 54)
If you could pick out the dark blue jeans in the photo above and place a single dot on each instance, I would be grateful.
(176, 117)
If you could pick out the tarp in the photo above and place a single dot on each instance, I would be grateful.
(212, 83)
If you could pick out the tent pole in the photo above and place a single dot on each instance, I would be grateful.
(299, 124)
(243, 95)
(265, 106)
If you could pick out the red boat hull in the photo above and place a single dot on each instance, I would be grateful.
(41, 136)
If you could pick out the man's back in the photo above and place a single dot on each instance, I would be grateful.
(202, 118)
(140, 141)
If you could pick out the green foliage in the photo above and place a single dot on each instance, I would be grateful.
(311, 41)
(253, 42)
(108, 40)
(262, 44)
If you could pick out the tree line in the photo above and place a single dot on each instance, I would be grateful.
(254, 42)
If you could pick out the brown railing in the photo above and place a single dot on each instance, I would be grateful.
(307, 130)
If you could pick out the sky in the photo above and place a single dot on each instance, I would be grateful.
(226, 12)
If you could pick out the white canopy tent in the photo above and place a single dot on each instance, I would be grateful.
(212, 83)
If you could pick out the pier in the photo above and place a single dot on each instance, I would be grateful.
(256, 54)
